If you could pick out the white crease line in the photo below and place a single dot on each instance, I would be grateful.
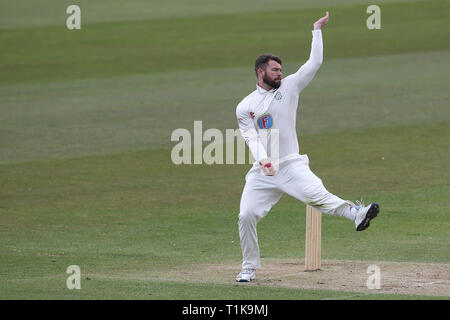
(427, 283)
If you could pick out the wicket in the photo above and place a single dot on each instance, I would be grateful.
(313, 245)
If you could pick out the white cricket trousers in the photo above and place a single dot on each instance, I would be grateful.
(261, 192)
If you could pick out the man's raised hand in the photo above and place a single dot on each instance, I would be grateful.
(321, 22)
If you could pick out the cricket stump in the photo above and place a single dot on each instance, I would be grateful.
(313, 245)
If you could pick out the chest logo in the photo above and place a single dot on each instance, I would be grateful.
(278, 96)
(265, 121)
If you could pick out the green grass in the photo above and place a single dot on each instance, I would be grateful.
(40, 13)
(135, 211)
(151, 46)
(100, 116)
(117, 289)
(85, 170)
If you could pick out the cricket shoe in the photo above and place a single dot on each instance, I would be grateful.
(365, 214)
(246, 275)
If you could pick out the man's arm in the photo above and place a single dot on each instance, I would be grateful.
(249, 133)
(251, 137)
(306, 73)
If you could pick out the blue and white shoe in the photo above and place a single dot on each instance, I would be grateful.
(365, 214)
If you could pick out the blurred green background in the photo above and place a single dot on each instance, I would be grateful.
(86, 118)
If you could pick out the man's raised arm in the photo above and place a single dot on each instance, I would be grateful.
(305, 74)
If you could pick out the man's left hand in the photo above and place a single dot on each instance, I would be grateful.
(321, 22)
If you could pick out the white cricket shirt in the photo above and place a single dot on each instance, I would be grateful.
(263, 111)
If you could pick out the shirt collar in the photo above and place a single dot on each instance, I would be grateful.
(262, 90)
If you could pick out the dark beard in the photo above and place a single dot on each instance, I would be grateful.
(271, 83)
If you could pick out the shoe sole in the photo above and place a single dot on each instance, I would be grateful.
(371, 214)
(243, 280)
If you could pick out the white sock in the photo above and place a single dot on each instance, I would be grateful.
(346, 210)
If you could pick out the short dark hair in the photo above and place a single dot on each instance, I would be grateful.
(263, 60)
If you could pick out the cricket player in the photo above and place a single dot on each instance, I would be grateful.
(266, 119)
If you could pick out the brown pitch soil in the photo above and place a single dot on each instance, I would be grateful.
(431, 279)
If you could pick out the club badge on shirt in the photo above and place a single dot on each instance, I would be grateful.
(278, 96)
(265, 121)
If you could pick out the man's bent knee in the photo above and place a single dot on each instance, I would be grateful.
(248, 216)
